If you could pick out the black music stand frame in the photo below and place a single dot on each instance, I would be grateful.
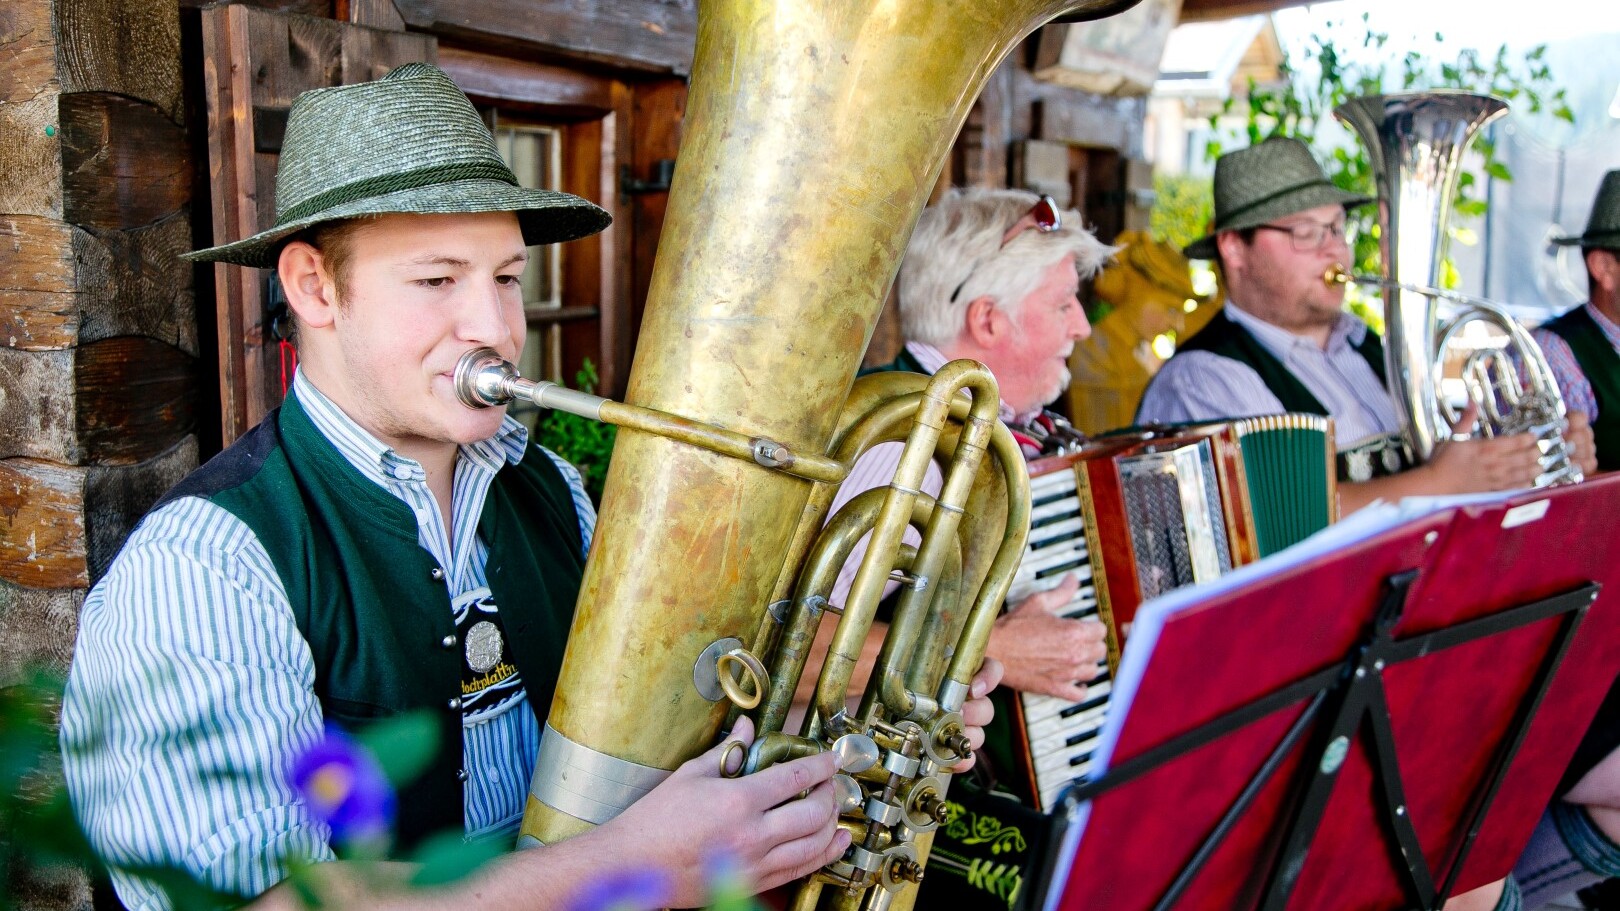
(1341, 699)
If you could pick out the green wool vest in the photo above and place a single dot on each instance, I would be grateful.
(902, 362)
(1223, 336)
(373, 604)
(1601, 364)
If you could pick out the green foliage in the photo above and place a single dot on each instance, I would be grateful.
(1183, 208)
(36, 821)
(447, 857)
(586, 444)
(403, 745)
(38, 828)
(1332, 72)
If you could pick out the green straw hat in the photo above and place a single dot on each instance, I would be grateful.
(409, 142)
(1603, 227)
(1266, 182)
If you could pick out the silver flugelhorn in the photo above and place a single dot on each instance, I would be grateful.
(1415, 143)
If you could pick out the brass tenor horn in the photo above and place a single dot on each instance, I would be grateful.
(908, 730)
(814, 133)
(1415, 143)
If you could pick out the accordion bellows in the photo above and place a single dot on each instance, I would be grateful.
(1143, 512)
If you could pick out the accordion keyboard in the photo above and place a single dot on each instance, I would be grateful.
(1061, 735)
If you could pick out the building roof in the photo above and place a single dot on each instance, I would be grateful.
(1214, 59)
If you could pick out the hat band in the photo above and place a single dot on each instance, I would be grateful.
(393, 183)
(1255, 204)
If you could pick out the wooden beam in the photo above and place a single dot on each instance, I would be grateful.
(30, 157)
(655, 35)
(42, 529)
(62, 286)
(27, 51)
(503, 79)
(37, 629)
(1205, 10)
(118, 400)
(1062, 114)
(129, 47)
(374, 14)
(124, 164)
(60, 526)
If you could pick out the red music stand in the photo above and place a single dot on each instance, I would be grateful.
(1379, 727)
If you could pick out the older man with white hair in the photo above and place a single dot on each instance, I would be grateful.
(994, 276)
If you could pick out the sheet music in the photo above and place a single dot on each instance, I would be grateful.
(1366, 523)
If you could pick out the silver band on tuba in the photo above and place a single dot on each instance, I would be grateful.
(1415, 143)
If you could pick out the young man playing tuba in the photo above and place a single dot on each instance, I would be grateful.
(375, 547)
(1285, 343)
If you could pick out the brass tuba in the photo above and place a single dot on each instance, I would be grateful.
(1415, 143)
(814, 134)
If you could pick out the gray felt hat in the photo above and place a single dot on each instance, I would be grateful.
(409, 142)
(1265, 182)
(1603, 227)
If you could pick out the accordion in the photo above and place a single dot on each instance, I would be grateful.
(1139, 514)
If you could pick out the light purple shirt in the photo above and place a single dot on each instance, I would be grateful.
(1203, 386)
(1577, 389)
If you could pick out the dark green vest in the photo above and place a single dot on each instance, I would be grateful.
(1601, 364)
(902, 362)
(373, 604)
(1223, 336)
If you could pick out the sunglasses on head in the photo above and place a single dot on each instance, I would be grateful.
(1045, 216)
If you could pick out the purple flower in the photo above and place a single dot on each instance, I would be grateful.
(344, 786)
(627, 890)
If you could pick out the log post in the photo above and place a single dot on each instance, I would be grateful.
(98, 331)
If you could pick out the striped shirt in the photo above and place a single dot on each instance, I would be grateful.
(192, 690)
(1204, 386)
(1572, 382)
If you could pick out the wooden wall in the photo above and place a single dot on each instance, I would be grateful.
(98, 330)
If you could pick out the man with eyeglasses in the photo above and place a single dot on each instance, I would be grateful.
(994, 276)
(1285, 342)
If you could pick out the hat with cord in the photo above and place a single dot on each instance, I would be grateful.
(409, 142)
(1265, 182)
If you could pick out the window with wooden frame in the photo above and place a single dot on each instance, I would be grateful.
(534, 152)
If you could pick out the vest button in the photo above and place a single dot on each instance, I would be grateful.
(436, 574)
(454, 703)
(448, 641)
(461, 774)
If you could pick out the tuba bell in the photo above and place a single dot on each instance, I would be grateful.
(1415, 143)
(814, 134)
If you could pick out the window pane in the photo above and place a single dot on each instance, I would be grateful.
(532, 152)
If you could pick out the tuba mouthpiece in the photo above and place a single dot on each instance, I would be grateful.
(482, 378)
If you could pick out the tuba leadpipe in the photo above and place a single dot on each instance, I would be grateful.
(1415, 143)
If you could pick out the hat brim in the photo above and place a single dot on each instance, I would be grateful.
(1280, 206)
(1602, 240)
(545, 217)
